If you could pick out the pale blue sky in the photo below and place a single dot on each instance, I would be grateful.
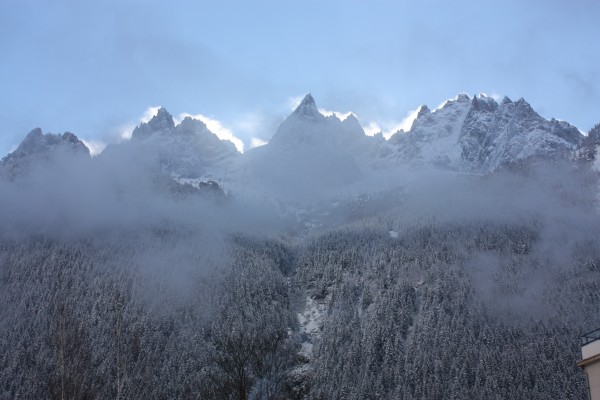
(95, 67)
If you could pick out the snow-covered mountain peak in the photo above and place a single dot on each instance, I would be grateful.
(162, 119)
(163, 113)
(523, 105)
(191, 125)
(462, 98)
(206, 142)
(443, 117)
(38, 147)
(472, 134)
(351, 121)
(493, 135)
(187, 150)
(478, 135)
(37, 143)
(33, 136)
(423, 110)
(307, 108)
(162, 122)
(306, 126)
(433, 136)
(483, 103)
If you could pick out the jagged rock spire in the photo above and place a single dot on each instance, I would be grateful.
(307, 108)
(161, 122)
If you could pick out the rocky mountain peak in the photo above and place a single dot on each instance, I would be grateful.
(483, 103)
(37, 143)
(307, 108)
(423, 110)
(463, 98)
(37, 147)
(162, 122)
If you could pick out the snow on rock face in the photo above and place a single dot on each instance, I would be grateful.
(37, 147)
(309, 153)
(162, 122)
(493, 135)
(37, 143)
(433, 137)
(306, 126)
(307, 108)
(184, 150)
(315, 154)
(479, 135)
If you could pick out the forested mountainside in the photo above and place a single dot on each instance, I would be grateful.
(459, 260)
(474, 310)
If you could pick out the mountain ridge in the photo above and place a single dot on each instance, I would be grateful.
(466, 134)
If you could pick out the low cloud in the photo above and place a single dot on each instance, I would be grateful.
(257, 142)
(149, 114)
(294, 102)
(388, 128)
(340, 115)
(372, 128)
(126, 130)
(96, 147)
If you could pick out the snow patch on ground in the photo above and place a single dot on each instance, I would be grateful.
(311, 323)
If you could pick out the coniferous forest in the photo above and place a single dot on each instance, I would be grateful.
(444, 310)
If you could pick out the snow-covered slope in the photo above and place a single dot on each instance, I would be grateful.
(309, 155)
(479, 135)
(497, 134)
(433, 137)
(38, 147)
(306, 127)
(187, 150)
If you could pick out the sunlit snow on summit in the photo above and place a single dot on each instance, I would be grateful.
(149, 114)
(389, 128)
(125, 130)
(216, 127)
(95, 147)
(339, 115)
(257, 142)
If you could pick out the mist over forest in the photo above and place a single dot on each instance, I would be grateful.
(459, 259)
